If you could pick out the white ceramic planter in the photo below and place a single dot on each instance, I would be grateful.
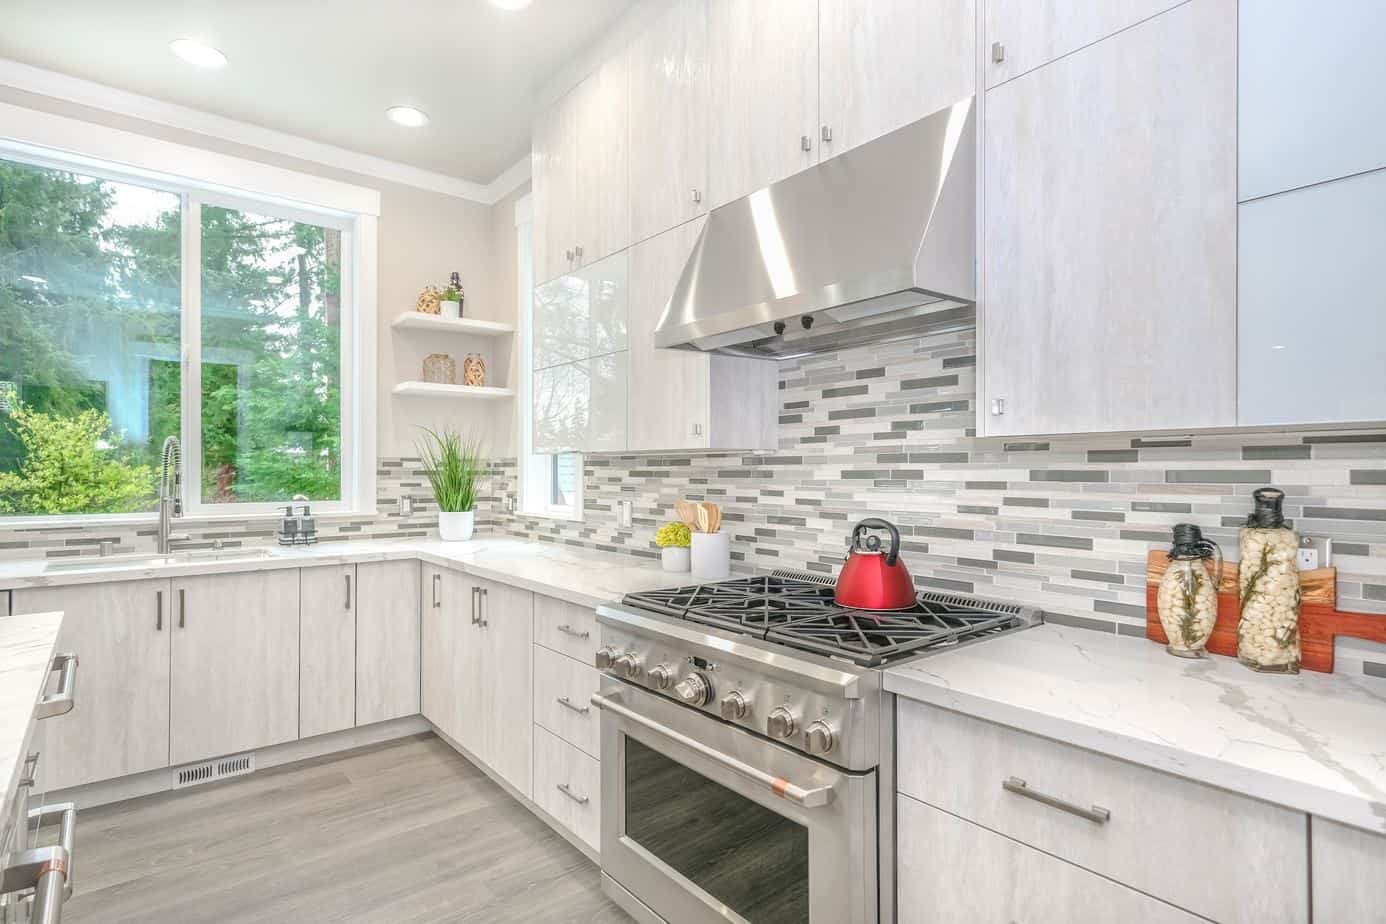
(711, 556)
(675, 557)
(451, 309)
(456, 527)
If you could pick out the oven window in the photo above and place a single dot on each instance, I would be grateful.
(749, 858)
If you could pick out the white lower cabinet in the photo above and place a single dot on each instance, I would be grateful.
(568, 786)
(568, 628)
(507, 684)
(387, 640)
(562, 699)
(1348, 865)
(326, 649)
(951, 870)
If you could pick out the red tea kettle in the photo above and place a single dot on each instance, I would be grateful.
(870, 579)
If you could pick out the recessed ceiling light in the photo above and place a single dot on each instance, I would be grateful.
(407, 115)
(511, 5)
(195, 52)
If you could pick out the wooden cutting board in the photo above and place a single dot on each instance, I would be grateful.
(1320, 620)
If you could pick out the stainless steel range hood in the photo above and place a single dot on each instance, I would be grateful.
(874, 245)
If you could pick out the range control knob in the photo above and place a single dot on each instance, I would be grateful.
(818, 737)
(660, 677)
(695, 690)
(734, 706)
(627, 664)
(780, 723)
(605, 658)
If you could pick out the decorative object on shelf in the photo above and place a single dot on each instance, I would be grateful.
(473, 370)
(1188, 596)
(456, 293)
(429, 300)
(451, 304)
(440, 368)
(674, 539)
(710, 558)
(1268, 588)
(453, 466)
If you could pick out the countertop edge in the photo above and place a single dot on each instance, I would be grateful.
(36, 673)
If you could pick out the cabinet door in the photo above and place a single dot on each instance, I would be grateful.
(1032, 34)
(668, 118)
(763, 78)
(1347, 872)
(1110, 234)
(387, 640)
(1311, 316)
(1304, 115)
(887, 63)
(507, 692)
(581, 406)
(668, 388)
(450, 683)
(583, 313)
(950, 870)
(326, 649)
(554, 168)
(602, 147)
(119, 725)
(235, 663)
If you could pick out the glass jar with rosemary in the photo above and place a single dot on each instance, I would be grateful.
(1188, 594)
(1268, 579)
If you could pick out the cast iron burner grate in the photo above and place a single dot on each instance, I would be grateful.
(802, 614)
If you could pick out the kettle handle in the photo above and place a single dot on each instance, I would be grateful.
(878, 523)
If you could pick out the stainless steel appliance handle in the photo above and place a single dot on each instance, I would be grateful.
(46, 870)
(569, 630)
(61, 702)
(809, 798)
(567, 703)
(580, 800)
(29, 775)
(1097, 814)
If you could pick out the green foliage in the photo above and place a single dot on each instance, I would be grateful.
(64, 471)
(674, 534)
(450, 294)
(453, 466)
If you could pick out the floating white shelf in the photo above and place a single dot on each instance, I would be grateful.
(417, 320)
(440, 390)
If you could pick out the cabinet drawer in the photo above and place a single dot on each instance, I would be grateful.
(562, 693)
(1215, 853)
(566, 627)
(951, 870)
(568, 786)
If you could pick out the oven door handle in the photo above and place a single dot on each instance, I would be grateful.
(808, 798)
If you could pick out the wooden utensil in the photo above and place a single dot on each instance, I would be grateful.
(703, 519)
(687, 512)
(714, 517)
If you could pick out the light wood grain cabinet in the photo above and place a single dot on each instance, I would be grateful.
(563, 690)
(326, 649)
(602, 149)
(553, 166)
(450, 682)
(235, 662)
(1110, 234)
(668, 120)
(387, 640)
(1348, 862)
(763, 80)
(507, 700)
(568, 787)
(886, 63)
(120, 724)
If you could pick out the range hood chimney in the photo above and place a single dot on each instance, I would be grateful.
(874, 245)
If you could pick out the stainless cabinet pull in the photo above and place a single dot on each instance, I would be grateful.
(30, 774)
(697, 195)
(805, 143)
(182, 608)
(567, 703)
(569, 630)
(998, 52)
(476, 606)
(998, 407)
(61, 702)
(437, 578)
(569, 255)
(158, 611)
(348, 590)
(580, 800)
(1097, 814)
(485, 605)
(577, 251)
(827, 135)
(809, 798)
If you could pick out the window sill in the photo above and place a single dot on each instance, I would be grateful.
(130, 520)
(549, 515)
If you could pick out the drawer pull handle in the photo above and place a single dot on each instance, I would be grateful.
(1097, 814)
(61, 702)
(569, 630)
(580, 800)
(567, 703)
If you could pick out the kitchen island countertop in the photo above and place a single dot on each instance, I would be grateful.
(27, 647)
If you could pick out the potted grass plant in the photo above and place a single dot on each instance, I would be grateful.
(453, 466)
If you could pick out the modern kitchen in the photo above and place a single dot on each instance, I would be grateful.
(929, 457)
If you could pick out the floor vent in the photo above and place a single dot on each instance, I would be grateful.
(212, 770)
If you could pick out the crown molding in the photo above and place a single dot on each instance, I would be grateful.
(134, 105)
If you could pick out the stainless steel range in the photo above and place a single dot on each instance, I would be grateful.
(748, 748)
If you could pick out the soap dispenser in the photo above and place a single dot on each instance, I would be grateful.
(1268, 579)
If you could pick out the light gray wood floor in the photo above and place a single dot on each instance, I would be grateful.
(404, 832)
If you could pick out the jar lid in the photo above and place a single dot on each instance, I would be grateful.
(1189, 542)
(1268, 513)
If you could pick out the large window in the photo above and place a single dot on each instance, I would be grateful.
(130, 312)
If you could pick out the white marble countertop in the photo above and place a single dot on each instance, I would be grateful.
(583, 576)
(1313, 742)
(26, 651)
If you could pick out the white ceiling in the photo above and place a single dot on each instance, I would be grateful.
(328, 69)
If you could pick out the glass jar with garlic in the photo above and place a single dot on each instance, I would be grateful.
(1268, 578)
(1187, 599)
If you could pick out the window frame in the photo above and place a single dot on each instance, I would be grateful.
(44, 140)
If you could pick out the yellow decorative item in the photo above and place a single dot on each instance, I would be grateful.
(473, 370)
(430, 300)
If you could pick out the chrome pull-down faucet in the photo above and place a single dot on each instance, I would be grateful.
(170, 494)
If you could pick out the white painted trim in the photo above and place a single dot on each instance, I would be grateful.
(365, 272)
(136, 106)
(524, 210)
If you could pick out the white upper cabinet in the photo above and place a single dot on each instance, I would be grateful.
(886, 63)
(1309, 74)
(668, 119)
(581, 406)
(1031, 33)
(553, 162)
(601, 130)
(1110, 234)
(582, 314)
(763, 75)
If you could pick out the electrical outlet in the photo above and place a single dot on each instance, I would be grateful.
(1308, 558)
(406, 505)
(1314, 552)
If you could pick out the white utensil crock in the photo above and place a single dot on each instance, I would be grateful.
(456, 527)
(711, 559)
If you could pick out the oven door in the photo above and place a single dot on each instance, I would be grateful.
(705, 822)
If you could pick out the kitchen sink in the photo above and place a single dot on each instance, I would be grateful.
(190, 556)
